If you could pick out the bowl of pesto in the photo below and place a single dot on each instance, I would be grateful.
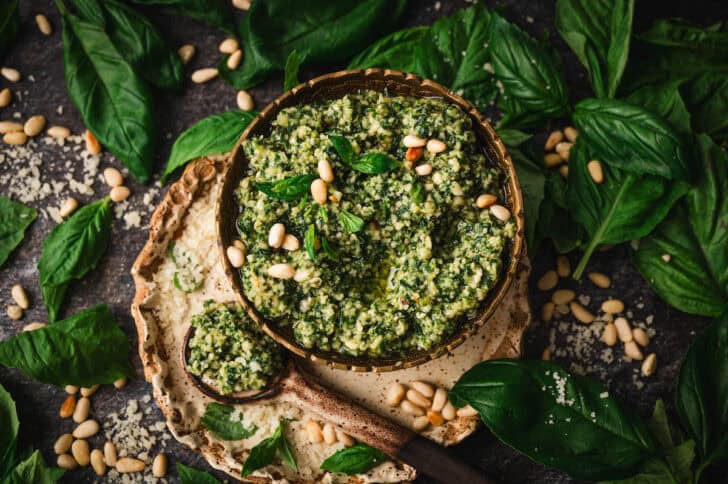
(370, 220)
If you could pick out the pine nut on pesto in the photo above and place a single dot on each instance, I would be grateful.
(395, 260)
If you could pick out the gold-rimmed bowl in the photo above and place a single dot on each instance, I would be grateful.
(336, 85)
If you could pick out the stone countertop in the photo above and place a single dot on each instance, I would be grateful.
(43, 91)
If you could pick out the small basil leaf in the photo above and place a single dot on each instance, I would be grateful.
(564, 421)
(343, 148)
(309, 241)
(190, 475)
(288, 455)
(395, 51)
(14, 219)
(256, 65)
(329, 249)
(218, 419)
(33, 470)
(707, 99)
(211, 135)
(659, 425)
(9, 435)
(350, 222)
(264, 453)
(9, 24)
(418, 192)
(83, 350)
(374, 163)
(212, 12)
(293, 65)
(291, 188)
(357, 459)
(663, 99)
(513, 137)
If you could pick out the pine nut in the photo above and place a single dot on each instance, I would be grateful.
(129, 464)
(6, 97)
(633, 351)
(159, 466)
(581, 313)
(467, 411)
(436, 146)
(233, 62)
(97, 462)
(12, 75)
(110, 453)
(424, 169)
(546, 354)
(420, 423)
(275, 235)
(281, 271)
(69, 206)
(563, 149)
(666, 257)
(235, 256)
(563, 267)
(92, 143)
(34, 326)
(80, 452)
(564, 171)
(417, 398)
(186, 53)
(43, 24)
(66, 461)
(229, 45)
(623, 330)
(547, 311)
(595, 171)
(113, 177)
(326, 173)
(329, 434)
(485, 200)
(610, 334)
(14, 312)
(411, 409)
(640, 336)
(649, 365)
(86, 429)
(63, 444)
(613, 306)
(548, 281)
(599, 279)
(500, 212)
(414, 154)
(346, 439)
(412, 141)
(449, 412)
(19, 296)
(319, 191)
(68, 407)
(439, 399)
(15, 138)
(395, 394)
(34, 125)
(563, 296)
(120, 383)
(200, 76)
(552, 159)
(242, 4)
(424, 388)
(58, 132)
(571, 133)
(71, 389)
(435, 418)
(313, 430)
(554, 138)
(245, 101)
(10, 127)
(83, 407)
(88, 391)
(291, 243)
(119, 194)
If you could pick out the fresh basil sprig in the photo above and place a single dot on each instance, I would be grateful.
(357, 459)
(265, 452)
(291, 188)
(9, 24)
(350, 222)
(370, 163)
(218, 419)
(14, 219)
(84, 349)
(190, 475)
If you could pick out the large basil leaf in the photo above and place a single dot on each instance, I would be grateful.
(33, 470)
(218, 419)
(625, 206)
(707, 98)
(84, 349)
(357, 459)
(9, 24)
(631, 138)
(663, 99)
(114, 102)
(211, 135)
(598, 31)
(265, 452)
(395, 51)
(291, 188)
(14, 219)
(702, 392)
(72, 249)
(212, 12)
(563, 421)
(534, 88)
(8, 437)
(190, 475)
(256, 66)
(695, 235)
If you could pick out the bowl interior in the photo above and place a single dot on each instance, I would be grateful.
(333, 86)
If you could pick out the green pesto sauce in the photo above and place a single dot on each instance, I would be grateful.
(426, 256)
(229, 349)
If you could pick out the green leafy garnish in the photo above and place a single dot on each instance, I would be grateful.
(370, 163)
(343, 148)
(350, 222)
(293, 65)
(265, 452)
(357, 459)
(329, 249)
(218, 419)
(291, 188)
(190, 475)
(309, 241)
(418, 192)
(14, 219)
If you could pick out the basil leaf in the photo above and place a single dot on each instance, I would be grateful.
(14, 219)
(114, 102)
(350, 222)
(663, 99)
(659, 425)
(73, 248)
(291, 188)
(374, 163)
(293, 65)
(357, 459)
(9, 435)
(598, 31)
(53, 297)
(394, 51)
(632, 138)
(218, 419)
(83, 350)
(707, 98)
(211, 135)
(33, 470)
(343, 148)
(212, 12)
(190, 475)
(329, 249)
(554, 218)
(9, 24)
(563, 421)
(532, 179)
(256, 66)
(702, 392)
(309, 241)
(288, 455)
(513, 138)
(694, 235)
(264, 453)
(418, 192)
(534, 88)
(679, 457)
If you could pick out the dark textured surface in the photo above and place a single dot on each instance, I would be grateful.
(111, 283)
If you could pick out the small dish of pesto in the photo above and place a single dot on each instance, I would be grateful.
(370, 225)
(230, 352)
